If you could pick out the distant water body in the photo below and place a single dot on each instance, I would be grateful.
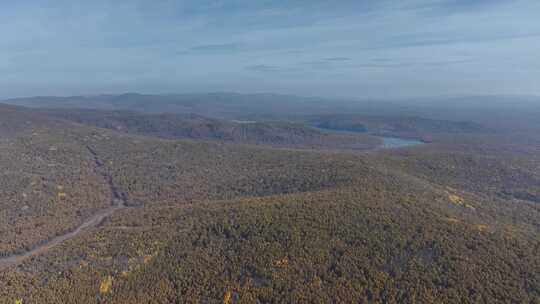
(395, 142)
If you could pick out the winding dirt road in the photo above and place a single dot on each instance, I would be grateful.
(118, 202)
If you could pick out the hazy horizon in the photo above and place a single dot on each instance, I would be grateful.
(321, 97)
(355, 50)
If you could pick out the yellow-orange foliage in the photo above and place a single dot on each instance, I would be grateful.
(106, 284)
(227, 297)
(458, 200)
(282, 262)
(147, 258)
(482, 228)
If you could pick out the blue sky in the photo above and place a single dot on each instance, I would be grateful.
(382, 48)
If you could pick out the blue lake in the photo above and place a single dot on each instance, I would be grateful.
(395, 142)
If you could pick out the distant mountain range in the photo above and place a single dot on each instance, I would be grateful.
(504, 111)
(211, 104)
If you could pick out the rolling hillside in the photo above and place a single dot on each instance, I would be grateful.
(212, 220)
(192, 126)
(400, 126)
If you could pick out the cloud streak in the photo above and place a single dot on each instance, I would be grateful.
(263, 68)
(206, 49)
(338, 59)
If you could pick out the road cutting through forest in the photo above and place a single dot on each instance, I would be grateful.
(118, 202)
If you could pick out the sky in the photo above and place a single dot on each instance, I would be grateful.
(345, 48)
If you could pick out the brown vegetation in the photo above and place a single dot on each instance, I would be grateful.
(226, 223)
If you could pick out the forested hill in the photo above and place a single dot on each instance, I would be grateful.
(193, 126)
(405, 125)
(220, 222)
